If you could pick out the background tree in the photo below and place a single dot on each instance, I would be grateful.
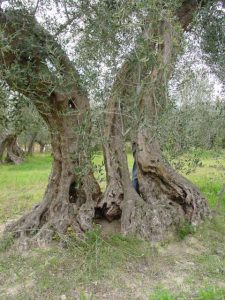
(10, 126)
(212, 38)
(35, 130)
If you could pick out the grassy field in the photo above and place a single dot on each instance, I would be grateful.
(191, 266)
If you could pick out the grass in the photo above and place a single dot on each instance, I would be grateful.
(210, 293)
(23, 185)
(116, 267)
(210, 177)
(58, 271)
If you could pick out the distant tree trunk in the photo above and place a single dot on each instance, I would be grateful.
(30, 149)
(72, 192)
(8, 144)
(42, 147)
(3, 144)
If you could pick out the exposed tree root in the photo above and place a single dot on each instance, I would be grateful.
(56, 214)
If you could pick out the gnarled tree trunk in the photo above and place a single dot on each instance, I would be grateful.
(70, 198)
(169, 198)
(115, 157)
(72, 192)
(166, 198)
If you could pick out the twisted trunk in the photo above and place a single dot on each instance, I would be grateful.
(70, 198)
(166, 197)
(115, 157)
(72, 192)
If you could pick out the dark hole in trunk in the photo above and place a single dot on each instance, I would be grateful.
(101, 213)
(72, 193)
(71, 104)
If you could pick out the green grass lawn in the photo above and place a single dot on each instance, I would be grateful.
(23, 185)
(114, 267)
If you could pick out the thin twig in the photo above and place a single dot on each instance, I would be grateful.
(36, 7)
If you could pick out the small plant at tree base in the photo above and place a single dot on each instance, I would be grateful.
(185, 229)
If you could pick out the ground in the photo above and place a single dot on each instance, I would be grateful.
(189, 265)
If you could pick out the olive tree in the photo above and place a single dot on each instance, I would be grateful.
(139, 44)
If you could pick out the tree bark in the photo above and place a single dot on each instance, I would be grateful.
(115, 157)
(168, 197)
(72, 192)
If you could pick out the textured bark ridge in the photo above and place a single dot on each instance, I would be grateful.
(8, 144)
(110, 204)
(72, 192)
(115, 161)
(115, 157)
(159, 180)
(167, 197)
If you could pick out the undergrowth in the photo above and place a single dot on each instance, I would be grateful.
(208, 293)
(117, 267)
(185, 229)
